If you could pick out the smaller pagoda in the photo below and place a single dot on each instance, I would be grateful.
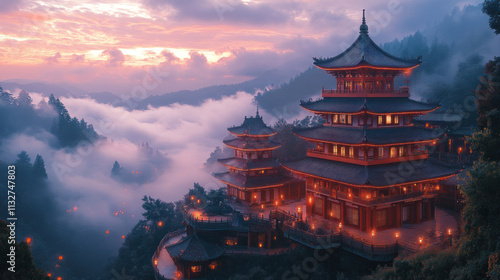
(254, 176)
(194, 257)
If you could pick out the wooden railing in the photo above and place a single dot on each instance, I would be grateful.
(379, 200)
(207, 223)
(401, 92)
(369, 160)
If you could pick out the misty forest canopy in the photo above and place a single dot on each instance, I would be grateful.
(20, 115)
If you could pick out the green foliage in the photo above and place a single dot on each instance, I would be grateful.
(488, 96)
(25, 269)
(492, 9)
(69, 130)
(140, 244)
(217, 202)
(39, 167)
(292, 147)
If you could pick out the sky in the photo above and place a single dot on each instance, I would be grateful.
(111, 45)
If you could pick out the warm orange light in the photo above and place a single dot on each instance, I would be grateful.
(449, 231)
(404, 189)
(459, 150)
(437, 187)
(282, 196)
(276, 203)
(255, 196)
(397, 234)
(192, 197)
(298, 209)
(59, 278)
(60, 258)
(310, 199)
(331, 214)
(315, 185)
(313, 227)
(75, 208)
(260, 245)
(160, 223)
(340, 225)
(373, 232)
(178, 274)
(156, 262)
(420, 240)
(107, 232)
(123, 236)
(427, 125)
(350, 195)
(367, 196)
(49, 274)
(198, 201)
(28, 240)
(262, 206)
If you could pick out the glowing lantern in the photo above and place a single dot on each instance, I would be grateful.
(28, 240)
(367, 196)
(373, 232)
(123, 236)
(313, 227)
(397, 234)
(75, 208)
(160, 223)
(59, 278)
(60, 258)
(404, 189)
(310, 199)
(198, 201)
(254, 196)
(156, 262)
(449, 231)
(298, 209)
(282, 196)
(260, 245)
(350, 195)
(420, 240)
(340, 225)
(49, 274)
(262, 206)
(437, 187)
(276, 203)
(107, 232)
(192, 197)
(331, 214)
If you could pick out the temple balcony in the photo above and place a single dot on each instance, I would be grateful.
(365, 160)
(401, 92)
(369, 201)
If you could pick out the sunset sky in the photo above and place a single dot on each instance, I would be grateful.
(109, 45)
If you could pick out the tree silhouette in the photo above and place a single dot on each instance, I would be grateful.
(39, 167)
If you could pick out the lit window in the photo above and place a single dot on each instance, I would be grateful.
(335, 118)
(393, 152)
(342, 151)
(335, 149)
(342, 119)
(380, 120)
(349, 119)
(396, 119)
(380, 151)
(196, 268)
(351, 152)
(388, 119)
(401, 151)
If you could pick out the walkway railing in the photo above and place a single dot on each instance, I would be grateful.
(156, 255)
(378, 200)
(207, 223)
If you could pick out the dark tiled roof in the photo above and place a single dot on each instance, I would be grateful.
(252, 126)
(252, 144)
(373, 105)
(377, 136)
(241, 163)
(252, 181)
(193, 249)
(375, 175)
(364, 52)
(439, 117)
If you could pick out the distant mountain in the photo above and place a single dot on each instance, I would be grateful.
(59, 90)
(196, 97)
(284, 100)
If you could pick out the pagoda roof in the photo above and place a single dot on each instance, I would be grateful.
(375, 136)
(245, 164)
(250, 182)
(375, 105)
(439, 118)
(193, 249)
(365, 53)
(374, 175)
(241, 144)
(252, 126)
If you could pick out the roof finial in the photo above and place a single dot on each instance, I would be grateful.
(363, 28)
(257, 115)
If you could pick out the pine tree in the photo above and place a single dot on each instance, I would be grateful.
(39, 167)
(23, 159)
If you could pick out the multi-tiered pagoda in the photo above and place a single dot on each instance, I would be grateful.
(369, 167)
(254, 176)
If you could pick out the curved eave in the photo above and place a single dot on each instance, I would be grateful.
(367, 66)
(252, 135)
(368, 144)
(236, 147)
(245, 168)
(419, 112)
(367, 184)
